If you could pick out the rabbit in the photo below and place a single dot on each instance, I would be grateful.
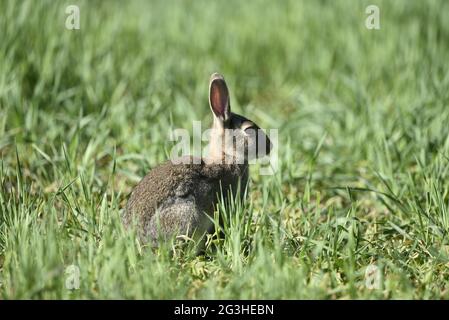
(178, 199)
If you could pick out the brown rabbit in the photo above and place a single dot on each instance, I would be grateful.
(175, 199)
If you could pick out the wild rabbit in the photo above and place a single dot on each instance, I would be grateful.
(175, 199)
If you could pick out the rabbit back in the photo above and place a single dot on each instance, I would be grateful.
(176, 199)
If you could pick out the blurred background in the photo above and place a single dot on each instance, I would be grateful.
(307, 67)
(87, 112)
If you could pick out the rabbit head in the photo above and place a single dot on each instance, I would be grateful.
(234, 138)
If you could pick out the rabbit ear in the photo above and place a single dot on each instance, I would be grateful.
(219, 97)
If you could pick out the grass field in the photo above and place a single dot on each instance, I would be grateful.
(363, 119)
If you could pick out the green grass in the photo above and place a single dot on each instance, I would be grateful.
(363, 119)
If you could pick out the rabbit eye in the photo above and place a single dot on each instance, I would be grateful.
(250, 129)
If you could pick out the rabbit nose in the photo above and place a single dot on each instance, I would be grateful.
(269, 146)
(263, 146)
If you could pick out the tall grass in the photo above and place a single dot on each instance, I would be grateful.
(363, 153)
